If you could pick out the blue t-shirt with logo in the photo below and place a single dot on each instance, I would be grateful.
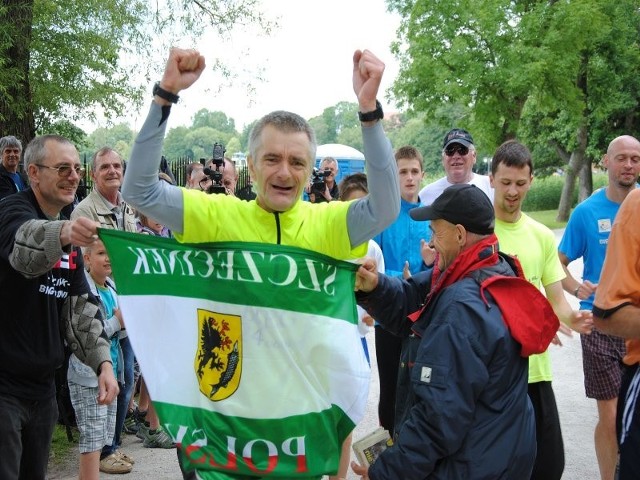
(587, 235)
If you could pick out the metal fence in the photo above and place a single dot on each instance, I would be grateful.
(178, 169)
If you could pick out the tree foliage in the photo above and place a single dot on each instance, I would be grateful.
(560, 76)
(66, 59)
(120, 137)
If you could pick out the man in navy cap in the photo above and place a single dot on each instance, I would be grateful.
(458, 159)
(462, 409)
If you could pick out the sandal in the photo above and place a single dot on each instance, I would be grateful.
(114, 465)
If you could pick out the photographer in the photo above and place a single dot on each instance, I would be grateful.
(323, 186)
(222, 179)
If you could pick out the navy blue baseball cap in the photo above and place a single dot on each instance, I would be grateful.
(462, 204)
(457, 135)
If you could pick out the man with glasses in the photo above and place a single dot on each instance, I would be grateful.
(11, 180)
(44, 293)
(458, 159)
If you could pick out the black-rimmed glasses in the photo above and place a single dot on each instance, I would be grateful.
(64, 170)
(451, 150)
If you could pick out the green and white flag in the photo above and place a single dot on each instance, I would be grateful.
(250, 351)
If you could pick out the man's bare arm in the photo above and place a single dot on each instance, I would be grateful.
(623, 322)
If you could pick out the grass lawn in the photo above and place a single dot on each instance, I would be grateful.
(62, 450)
(548, 218)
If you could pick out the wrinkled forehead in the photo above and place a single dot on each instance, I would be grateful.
(61, 152)
(110, 158)
(285, 143)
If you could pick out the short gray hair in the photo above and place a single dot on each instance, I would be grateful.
(9, 141)
(330, 160)
(36, 150)
(101, 153)
(286, 122)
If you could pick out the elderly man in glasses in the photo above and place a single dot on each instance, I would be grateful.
(458, 159)
(44, 292)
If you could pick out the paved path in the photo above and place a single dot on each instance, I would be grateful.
(578, 417)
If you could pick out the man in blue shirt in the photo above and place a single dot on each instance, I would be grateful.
(11, 180)
(403, 244)
(586, 237)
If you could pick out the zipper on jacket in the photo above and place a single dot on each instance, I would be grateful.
(277, 215)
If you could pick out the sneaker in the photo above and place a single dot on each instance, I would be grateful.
(124, 457)
(131, 423)
(158, 439)
(114, 465)
(140, 415)
(143, 430)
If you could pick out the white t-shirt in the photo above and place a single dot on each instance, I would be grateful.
(432, 191)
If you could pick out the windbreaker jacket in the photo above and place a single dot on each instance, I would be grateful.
(95, 207)
(7, 185)
(462, 407)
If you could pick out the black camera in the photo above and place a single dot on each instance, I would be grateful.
(215, 171)
(319, 180)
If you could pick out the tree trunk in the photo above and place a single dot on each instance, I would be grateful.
(585, 185)
(576, 164)
(16, 108)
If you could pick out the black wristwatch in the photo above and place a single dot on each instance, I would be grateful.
(162, 93)
(376, 114)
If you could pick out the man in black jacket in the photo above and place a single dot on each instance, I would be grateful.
(11, 180)
(468, 326)
(45, 297)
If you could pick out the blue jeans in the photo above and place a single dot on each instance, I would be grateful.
(26, 428)
(124, 396)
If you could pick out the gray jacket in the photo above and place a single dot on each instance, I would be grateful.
(80, 373)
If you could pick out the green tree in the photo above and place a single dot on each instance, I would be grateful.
(335, 119)
(176, 144)
(547, 72)
(244, 136)
(216, 120)
(63, 59)
(233, 146)
(351, 136)
(426, 137)
(201, 141)
(120, 137)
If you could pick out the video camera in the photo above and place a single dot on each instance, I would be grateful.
(319, 180)
(215, 173)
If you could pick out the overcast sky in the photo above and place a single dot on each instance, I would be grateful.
(305, 64)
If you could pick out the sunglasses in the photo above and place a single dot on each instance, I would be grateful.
(64, 170)
(451, 150)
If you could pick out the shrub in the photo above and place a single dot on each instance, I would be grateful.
(545, 192)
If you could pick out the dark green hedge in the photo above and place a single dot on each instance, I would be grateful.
(545, 192)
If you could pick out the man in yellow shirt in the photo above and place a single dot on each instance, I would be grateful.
(535, 247)
(282, 149)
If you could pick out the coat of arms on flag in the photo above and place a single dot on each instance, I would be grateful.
(218, 360)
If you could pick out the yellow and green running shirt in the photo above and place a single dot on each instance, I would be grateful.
(535, 247)
(319, 227)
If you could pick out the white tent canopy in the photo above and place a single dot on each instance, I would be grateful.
(338, 151)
